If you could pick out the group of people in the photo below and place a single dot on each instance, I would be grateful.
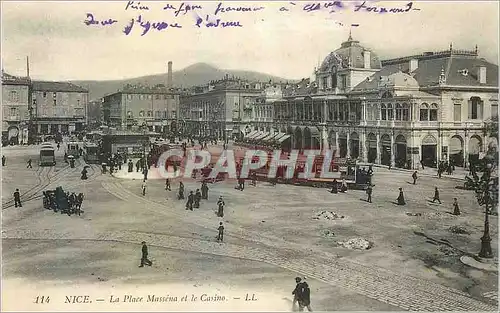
(66, 203)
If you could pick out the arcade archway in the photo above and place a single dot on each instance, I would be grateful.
(475, 143)
(342, 145)
(429, 151)
(456, 151)
(400, 153)
(372, 147)
(354, 145)
(385, 151)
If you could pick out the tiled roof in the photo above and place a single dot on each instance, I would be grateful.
(455, 76)
(57, 86)
(372, 82)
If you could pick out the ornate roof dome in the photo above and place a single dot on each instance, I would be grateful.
(350, 54)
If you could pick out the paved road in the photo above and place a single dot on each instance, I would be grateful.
(405, 292)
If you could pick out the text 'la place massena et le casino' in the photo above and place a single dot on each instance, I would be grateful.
(214, 18)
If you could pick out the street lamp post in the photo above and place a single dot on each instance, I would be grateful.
(483, 194)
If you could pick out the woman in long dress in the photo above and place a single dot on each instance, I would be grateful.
(401, 197)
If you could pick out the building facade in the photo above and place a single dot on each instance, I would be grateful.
(59, 107)
(263, 109)
(15, 108)
(155, 107)
(399, 112)
(223, 108)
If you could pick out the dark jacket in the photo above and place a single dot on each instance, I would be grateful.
(144, 250)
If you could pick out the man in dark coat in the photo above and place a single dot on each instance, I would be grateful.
(144, 258)
(414, 176)
(220, 207)
(204, 190)
(197, 199)
(190, 200)
(401, 197)
(29, 164)
(436, 195)
(369, 191)
(130, 166)
(167, 185)
(456, 209)
(181, 191)
(220, 235)
(334, 186)
(305, 300)
(297, 292)
(17, 199)
(3, 160)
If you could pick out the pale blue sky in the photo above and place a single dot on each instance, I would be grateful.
(286, 44)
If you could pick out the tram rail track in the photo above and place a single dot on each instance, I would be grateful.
(45, 181)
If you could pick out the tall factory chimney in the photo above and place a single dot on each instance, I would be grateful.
(169, 75)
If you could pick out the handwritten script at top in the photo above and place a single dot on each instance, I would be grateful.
(204, 17)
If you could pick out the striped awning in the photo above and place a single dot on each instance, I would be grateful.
(264, 134)
(254, 135)
(283, 138)
(253, 132)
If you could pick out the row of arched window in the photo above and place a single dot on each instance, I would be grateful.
(157, 114)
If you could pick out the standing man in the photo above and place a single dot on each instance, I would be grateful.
(220, 235)
(189, 203)
(414, 176)
(197, 199)
(144, 186)
(436, 195)
(3, 160)
(297, 292)
(220, 205)
(369, 191)
(17, 199)
(144, 258)
(29, 164)
(456, 209)
(167, 185)
(306, 297)
(204, 190)
(401, 197)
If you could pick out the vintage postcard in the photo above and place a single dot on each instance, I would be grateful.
(249, 156)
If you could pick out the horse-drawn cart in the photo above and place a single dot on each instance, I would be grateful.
(58, 200)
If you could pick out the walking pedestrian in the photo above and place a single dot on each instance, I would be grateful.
(204, 190)
(167, 185)
(422, 164)
(3, 160)
(145, 172)
(190, 200)
(305, 301)
(414, 176)
(456, 209)
(369, 191)
(181, 191)
(436, 195)
(401, 197)
(144, 186)
(197, 199)
(17, 199)
(335, 185)
(144, 258)
(297, 292)
(29, 164)
(220, 207)
(220, 235)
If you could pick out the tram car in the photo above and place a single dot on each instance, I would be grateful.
(72, 148)
(47, 155)
(91, 153)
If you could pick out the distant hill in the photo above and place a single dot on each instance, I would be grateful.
(196, 74)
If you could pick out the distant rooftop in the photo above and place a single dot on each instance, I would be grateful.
(8, 79)
(432, 55)
(50, 86)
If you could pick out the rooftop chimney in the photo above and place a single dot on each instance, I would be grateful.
(413, 65)
(367, 58)
(169, 75)
(481, 75)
